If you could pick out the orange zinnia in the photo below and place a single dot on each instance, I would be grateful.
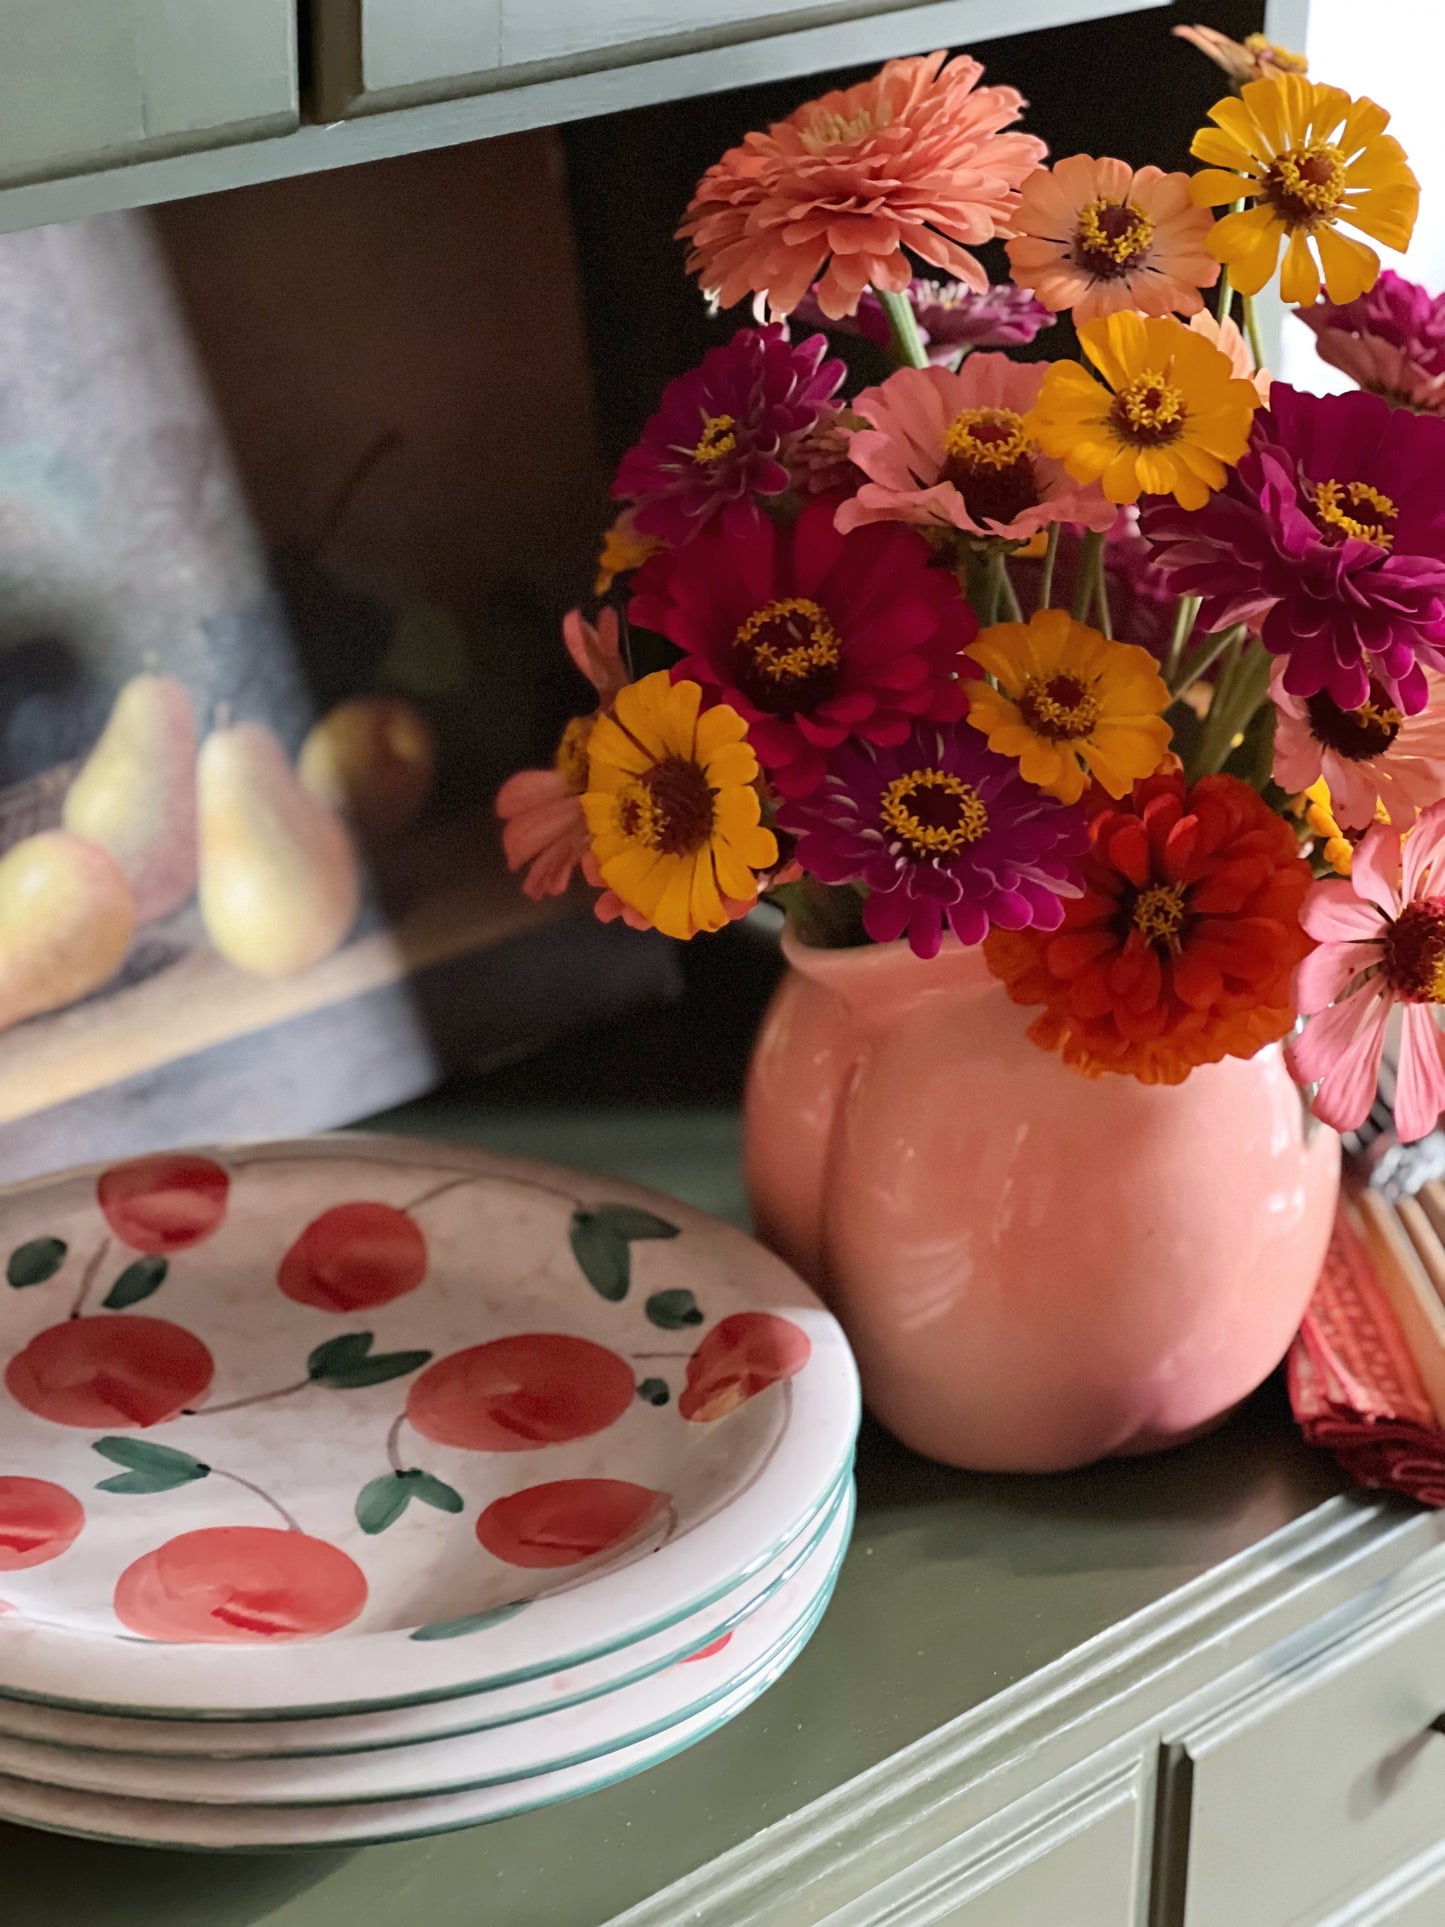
(1180, 950)
(913, 158)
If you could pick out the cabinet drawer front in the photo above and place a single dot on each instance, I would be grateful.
(1324, 1781)
(90, 82)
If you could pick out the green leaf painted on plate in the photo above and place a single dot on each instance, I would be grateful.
(148, 1467)
(33, 1263)
(654, 1390)
(473, 1623)
(136, 1282)
(670, 1311)
(382, 1503)
(602, 1239)
(345, 1364)
(436, 1492)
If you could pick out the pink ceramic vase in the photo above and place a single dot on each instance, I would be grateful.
(1036, 1269)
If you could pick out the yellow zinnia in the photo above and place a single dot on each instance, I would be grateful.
(624, 548)
(1069, 705)
(1175, 417)
(1310, 157)
(671, 807)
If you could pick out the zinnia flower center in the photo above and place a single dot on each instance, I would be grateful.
(1110, 237)
(570, 762)
(1338, 506)
(1306, 185)
(989, 460)
(824, 129)
(1415, 952)
(933, 812)
(788, 655)
(1148, 410)
(718, 438)
(1158, 914)
(668, 807)
(1059, 707)
(1356, 734)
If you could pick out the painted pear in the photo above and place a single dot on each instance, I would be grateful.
(67, 916)
(372, 759)
(279, 880)
(136, 795)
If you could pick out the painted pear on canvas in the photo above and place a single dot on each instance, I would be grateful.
(279, 880)
(67, 916)
(373, 759)
(136, 794)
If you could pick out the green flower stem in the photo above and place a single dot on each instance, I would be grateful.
(1224, 296)
(903, 328)
(1185, 617)
(1010, 594)
(1202, 659)
(1051, 553)
(1242, 687)
(1091, 549)
(1251, 329)
(1101, 593)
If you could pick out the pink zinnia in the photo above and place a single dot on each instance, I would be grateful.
(811, 634)
(949, 450)
(1366, 756)
(543, 828)
(725, 429)
(1390, 341)
(1381, 936)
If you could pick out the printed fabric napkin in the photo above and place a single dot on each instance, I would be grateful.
(1353, 1384)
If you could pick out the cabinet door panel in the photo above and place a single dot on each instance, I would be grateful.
(530, 32)
(84, 83)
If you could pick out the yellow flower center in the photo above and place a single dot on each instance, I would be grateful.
(787, 655)
(1149, 410)
(1360, 734)
(668, 808)
(1338, 507)
(989, 459)
(824, 129)
(717, 439)
(933, 812)
(570, 762)
(1060, 708)
(1158, 914)
(1110, 237)
(1306, 185)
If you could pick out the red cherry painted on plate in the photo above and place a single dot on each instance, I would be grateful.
(110, 1372)
(353, 1257)
(514, 1394)
(740, 1357)
(164, 1203)
(570, 1520)
(38, 1521)
(240, 1585)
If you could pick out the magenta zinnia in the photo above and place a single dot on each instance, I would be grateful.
(942, 832)
(1329, 539)
(725, 429)
(951, 318)
(812, 635)
(1390, 341)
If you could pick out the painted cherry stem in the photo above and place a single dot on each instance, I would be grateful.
(89, 1276)
(461, 1177)
(291, 1524)
(253, 1398)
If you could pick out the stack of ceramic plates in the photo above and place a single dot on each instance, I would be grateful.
(362, 1488)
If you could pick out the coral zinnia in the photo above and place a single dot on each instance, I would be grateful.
(1181, 948)
(913, 158)
(1381, 945)
(1329, 539)
(1069, 704)
(1368, 757)
(1247, 59)
(951, 450)
(951, 319)
(940, 830)
(724, 430)
(1097, 236)
(810, 634)
(1311, 158)
(1391, 342)
(1175, 417)
(672, 807)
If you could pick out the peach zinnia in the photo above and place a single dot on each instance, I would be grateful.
(913, 158)
(1097, 236)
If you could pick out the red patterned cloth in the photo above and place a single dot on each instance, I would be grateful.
(1353, 1384)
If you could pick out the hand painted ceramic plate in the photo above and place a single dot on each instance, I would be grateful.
(432, 1719)
(362, 1422)
(504, 1754)
(253, 1829)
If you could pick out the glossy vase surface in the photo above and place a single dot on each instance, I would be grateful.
(1036, 1269)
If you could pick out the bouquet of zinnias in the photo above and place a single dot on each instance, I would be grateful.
(1126, 666)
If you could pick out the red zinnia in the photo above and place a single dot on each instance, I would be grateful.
(1181, 948)
(812, 635)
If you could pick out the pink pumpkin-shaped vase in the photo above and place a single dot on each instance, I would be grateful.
(1036, 1269)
